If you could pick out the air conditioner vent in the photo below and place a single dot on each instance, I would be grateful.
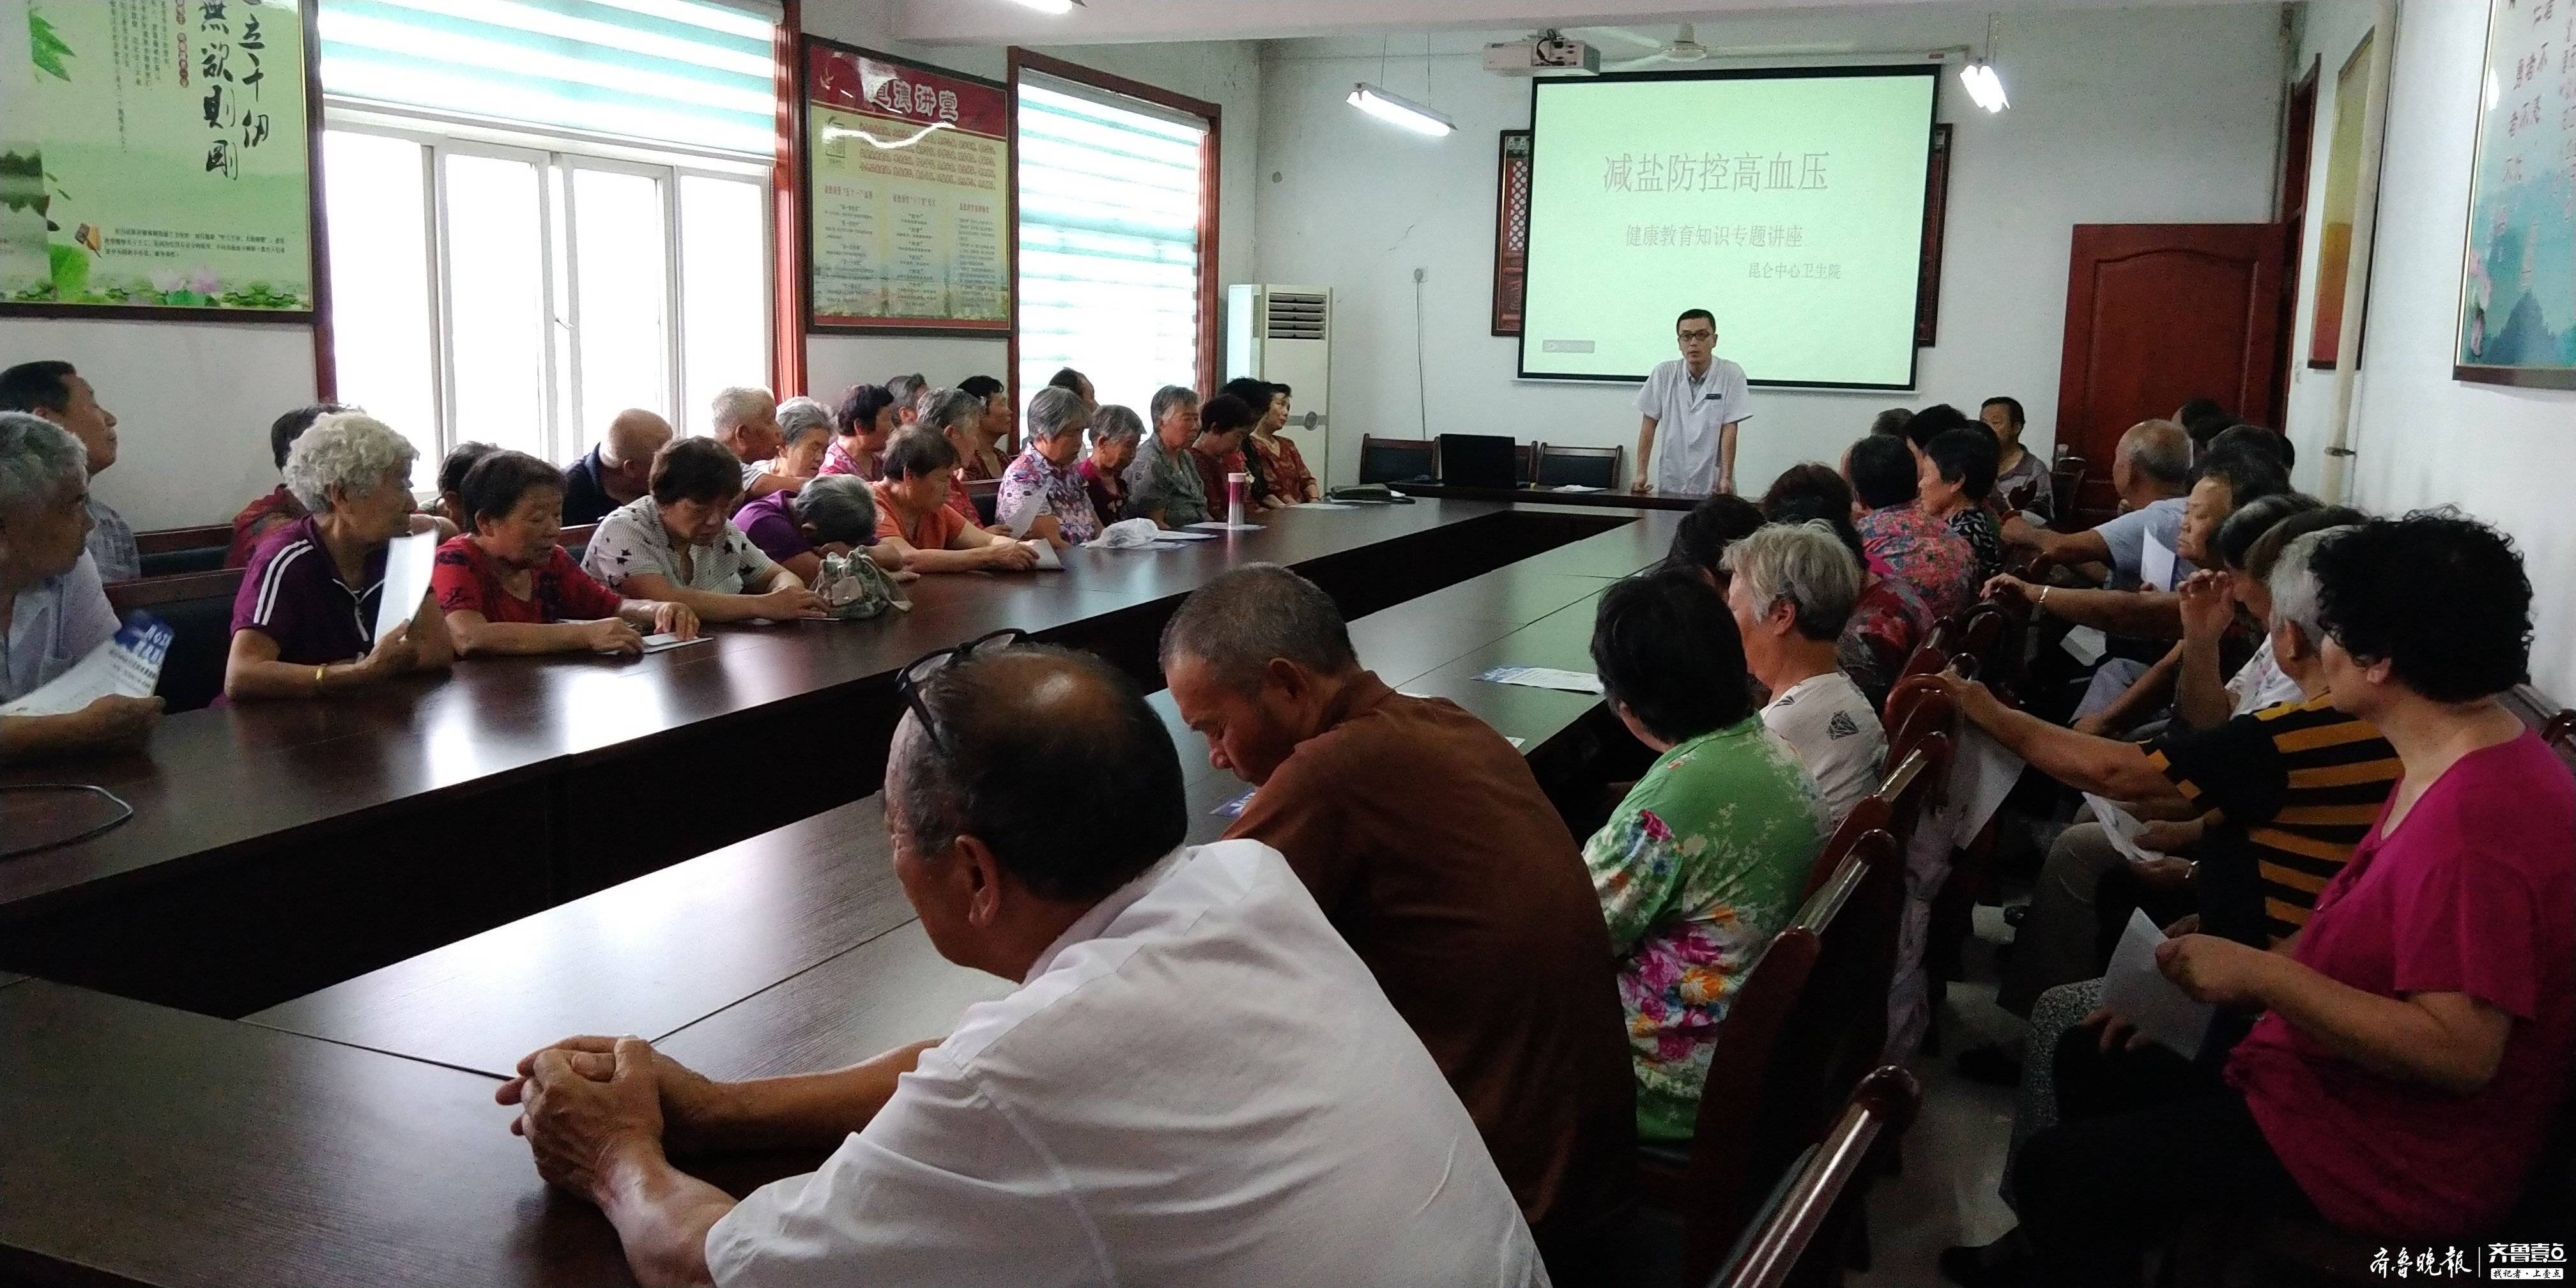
(1295, 316)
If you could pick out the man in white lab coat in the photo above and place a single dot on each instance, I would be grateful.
(1696, 401)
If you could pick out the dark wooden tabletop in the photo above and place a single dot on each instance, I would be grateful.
(147, 1145)
(376, 817)
(656, 954)
(1620, 498)
(348, 1136)
(647, 957)
(222, 777)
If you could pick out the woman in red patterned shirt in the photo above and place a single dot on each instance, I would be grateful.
(508, 586)
(1281, 469)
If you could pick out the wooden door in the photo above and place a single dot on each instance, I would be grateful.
(2156, 315)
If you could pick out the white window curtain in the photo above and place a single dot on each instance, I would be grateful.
(1109, 240)
(694, 73)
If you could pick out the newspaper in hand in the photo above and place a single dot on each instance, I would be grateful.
(2137, 990)
(408, 562)
(127, 665)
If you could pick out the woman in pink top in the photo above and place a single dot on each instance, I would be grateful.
(2417, 1035)
(862, 424)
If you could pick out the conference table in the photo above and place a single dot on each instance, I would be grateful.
(1603, 498)
(346, 1133)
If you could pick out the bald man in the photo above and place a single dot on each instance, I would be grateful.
(618, 470)
(2151, 472)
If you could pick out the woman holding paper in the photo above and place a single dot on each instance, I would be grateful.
(1042, 493)
(53, 611)
(2418, 1032)
(676, 544)
(307, 621)
(915, 522)
(508, 586)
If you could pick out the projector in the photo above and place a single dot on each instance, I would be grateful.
(1548, 53)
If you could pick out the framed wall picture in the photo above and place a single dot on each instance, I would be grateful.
(157, 160)
(907, 181)
(1936, 222)
(2343, 180)
(2517, 321)
(1511, 230)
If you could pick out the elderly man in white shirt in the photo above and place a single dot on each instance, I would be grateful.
(1693, 402)
(1197, 1082)
(745, 420)
(53, 611)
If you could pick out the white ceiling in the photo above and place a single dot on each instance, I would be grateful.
(1003, 22)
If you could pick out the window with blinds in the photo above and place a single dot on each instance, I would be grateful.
(1110, 240)
(544, 212)
(696, 73)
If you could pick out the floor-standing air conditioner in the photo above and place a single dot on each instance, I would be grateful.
(1284, 334)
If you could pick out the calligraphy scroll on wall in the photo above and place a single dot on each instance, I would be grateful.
(154, 156)
(907, 195)
(2518, 281)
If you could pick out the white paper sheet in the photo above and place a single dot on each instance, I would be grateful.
(2032, 517)
(1577, 487)
(407, 565)
(127, 665)
(2087, 644)
(1325, 505)
(2156, 564)
(2122, 827)
(1233, 807)
(1982, 773)
(1544, 677)
(2137, 992)
(1048, 559)
(1227, 527)
(662, 643)
(1018, 520)
(1176, 536)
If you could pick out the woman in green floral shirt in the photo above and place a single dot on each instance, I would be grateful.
(1703, 862)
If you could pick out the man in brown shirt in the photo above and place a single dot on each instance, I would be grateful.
(1426, 840)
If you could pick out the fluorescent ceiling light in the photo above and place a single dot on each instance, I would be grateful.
(1401, 112)
(1984, 86)
(1051, 6)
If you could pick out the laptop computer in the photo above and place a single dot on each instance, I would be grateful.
(1478, 460)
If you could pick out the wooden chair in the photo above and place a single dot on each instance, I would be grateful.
(1938, 652)
(2066, 479)
(162, 540)
(576, 539)
(1802, 1232)
(1398, 460)
(1560, 466)
(1841, 1024)
(1912, 798)
(1870, 815)
(171, 552)
(1802, 1027)
(1994, 636)
(199, 609)
(1703, 1182)
(987, 493)
(1916, 706)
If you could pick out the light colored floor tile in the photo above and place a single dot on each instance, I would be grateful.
(1954, 1156)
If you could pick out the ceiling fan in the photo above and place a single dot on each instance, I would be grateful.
(1686, 49)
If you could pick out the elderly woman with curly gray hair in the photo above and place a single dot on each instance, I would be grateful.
(304, 622)
(53, 611)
